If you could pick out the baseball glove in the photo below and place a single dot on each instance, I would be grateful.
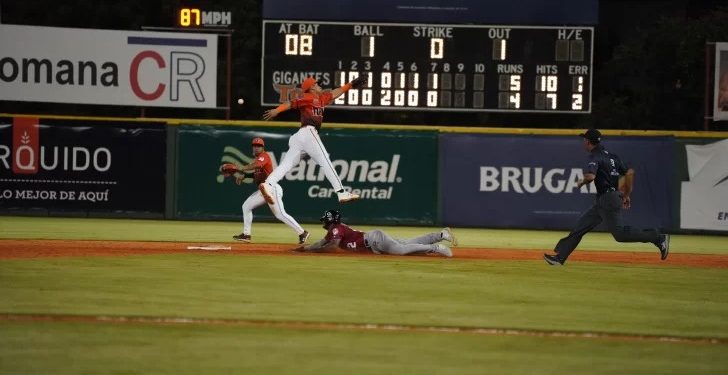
(360, 81)
(228, 169)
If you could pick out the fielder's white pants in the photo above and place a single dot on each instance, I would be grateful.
(256, 200)
(306, 141)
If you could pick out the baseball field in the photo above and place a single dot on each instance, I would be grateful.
(127, 296)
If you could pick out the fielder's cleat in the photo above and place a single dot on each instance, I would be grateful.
(266, 190)
(346, 196)
(553, 260)
(242, 237)
(442, 250)
(446, 234)
(663, 243)
(303, 237)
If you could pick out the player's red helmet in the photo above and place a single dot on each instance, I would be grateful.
(258, 142)
(308, 83)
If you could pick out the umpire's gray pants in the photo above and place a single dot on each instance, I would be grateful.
(381, 243)
(608, 208)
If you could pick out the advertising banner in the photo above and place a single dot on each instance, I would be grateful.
(81, 166)
(720, 94)
(510, 181)
(87, 66)
(704, 199)
(395, 172)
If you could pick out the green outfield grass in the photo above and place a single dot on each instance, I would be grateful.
(439, 292)
(658, 299)
(209, 231)
(68, 348)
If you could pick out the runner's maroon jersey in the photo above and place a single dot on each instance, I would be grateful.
(311, 107)
(350, 239)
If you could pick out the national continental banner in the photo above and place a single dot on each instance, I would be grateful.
(395, 172)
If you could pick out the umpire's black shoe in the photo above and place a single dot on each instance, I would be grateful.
(663, 243)
(303, 237)
(242, 237)
(553, 260)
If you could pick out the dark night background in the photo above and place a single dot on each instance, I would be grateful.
(649, 63)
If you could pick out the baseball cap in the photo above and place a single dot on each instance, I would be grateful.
(258, 142)
(592, 135)
(308, 83)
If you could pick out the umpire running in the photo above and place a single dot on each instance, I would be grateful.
(605, 169)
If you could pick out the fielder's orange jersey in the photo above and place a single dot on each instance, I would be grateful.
(263, 168)
(311, 107)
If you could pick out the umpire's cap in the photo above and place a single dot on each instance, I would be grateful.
(593, 135)
(258, 142)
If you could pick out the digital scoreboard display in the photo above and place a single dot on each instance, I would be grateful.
(432, 67)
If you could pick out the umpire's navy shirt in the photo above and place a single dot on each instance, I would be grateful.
(607, 168)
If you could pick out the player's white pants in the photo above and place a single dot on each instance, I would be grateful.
(306, 141)
(256, 200)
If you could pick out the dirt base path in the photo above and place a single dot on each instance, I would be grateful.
(13, 249)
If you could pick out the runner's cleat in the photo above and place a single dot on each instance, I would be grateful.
(442, 250)
(447, 235)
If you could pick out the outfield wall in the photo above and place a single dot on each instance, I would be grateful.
(419, 175)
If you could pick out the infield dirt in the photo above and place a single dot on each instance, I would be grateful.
(14, 249)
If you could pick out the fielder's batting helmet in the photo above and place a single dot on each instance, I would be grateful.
(330, 217)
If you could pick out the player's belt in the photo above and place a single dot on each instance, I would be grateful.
(608, 190)
(316, 128)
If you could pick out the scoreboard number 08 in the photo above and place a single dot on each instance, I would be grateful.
(299, 44)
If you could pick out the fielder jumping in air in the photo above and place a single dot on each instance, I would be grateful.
(261, 168)
(306, 141)
(605, 169)
(340, 235)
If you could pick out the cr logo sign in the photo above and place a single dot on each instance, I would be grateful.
(183, 68)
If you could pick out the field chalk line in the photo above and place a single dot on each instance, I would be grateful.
(355, 327)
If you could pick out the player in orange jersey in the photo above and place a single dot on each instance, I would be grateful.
(306, 141)
(262, 167)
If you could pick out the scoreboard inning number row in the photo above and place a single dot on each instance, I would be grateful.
(433, 67)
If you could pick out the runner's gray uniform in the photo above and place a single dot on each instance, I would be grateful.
(380, 242)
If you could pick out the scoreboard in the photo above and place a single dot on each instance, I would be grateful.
(485, 68)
